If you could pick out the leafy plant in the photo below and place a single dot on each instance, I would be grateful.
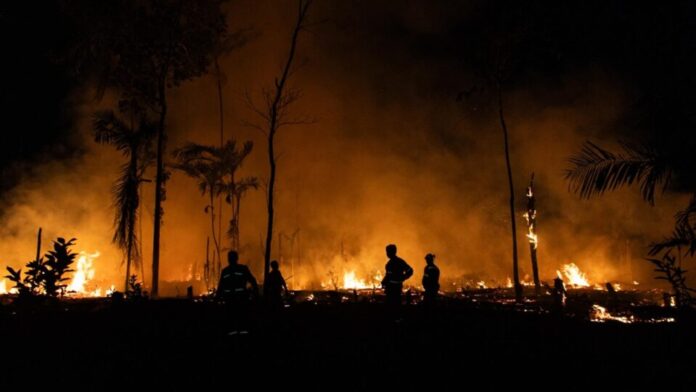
(45, 276)
(670, 270)
(135, 288)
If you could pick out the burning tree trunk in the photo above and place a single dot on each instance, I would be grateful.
(503, 126)
(530, 216)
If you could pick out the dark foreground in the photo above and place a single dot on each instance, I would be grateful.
(180, 344)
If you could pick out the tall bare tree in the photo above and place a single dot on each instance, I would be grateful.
(274, 114)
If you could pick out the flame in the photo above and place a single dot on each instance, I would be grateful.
(351, 281)
(481, 284)
(574, 277)
(84, 272)
(600, 314)
(3, 287)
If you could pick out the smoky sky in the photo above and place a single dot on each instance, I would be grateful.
(404, 146)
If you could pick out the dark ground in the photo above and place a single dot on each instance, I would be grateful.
(181, 344)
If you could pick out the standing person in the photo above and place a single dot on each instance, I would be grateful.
(275, 286)
(234, 289)
(397, 271)
(431, 280)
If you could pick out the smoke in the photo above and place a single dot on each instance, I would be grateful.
(392, 157)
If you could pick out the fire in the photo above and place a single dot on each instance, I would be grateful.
(3, 287)
(84, 272)
(600, 314)
(574, 277)
(351, 281)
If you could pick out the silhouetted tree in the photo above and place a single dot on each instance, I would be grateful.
(274, 114)
(226, 45)
(144, 49)
(595, 170)
(135, 143)
(216, 168)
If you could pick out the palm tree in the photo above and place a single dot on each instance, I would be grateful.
(216, 168)
(227, 44)
(234, 192)
(199, 162)
(595, 170)
(231, 160)
(135, 143)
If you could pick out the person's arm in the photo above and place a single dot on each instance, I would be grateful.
(250, 278)
(282, 282)
(408, 271)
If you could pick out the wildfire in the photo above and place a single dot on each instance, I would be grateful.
(600, 314)
(84, 272)
(351, 281)
(573, 276)
(3, 287)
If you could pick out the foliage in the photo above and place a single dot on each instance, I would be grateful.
(596, 170)
(669, 269)
(135, 143)
(45, 276)
(135, 288)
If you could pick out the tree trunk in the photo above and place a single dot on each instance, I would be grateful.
(271, 186)
(273, 125)
(128, 266)
(159, 190)
(515, 269)
(212, 226)
(218, 79)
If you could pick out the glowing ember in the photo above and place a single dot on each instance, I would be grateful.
(84, 272)
(600, 314)
(573, 276)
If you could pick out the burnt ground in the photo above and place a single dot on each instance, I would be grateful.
(182, 344)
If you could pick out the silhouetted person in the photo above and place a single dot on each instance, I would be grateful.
(234, 289)
(559, 294)
(397, 271)
(431, 280)
(275, 286)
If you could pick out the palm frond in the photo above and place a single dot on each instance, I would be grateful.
(686, 216)
(596, 170)
(683, 237)
(126, 203)
(110, 129)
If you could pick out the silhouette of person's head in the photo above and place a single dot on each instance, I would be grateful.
(274, 265)
(430, 258)
(232, 257)
(391, 250)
